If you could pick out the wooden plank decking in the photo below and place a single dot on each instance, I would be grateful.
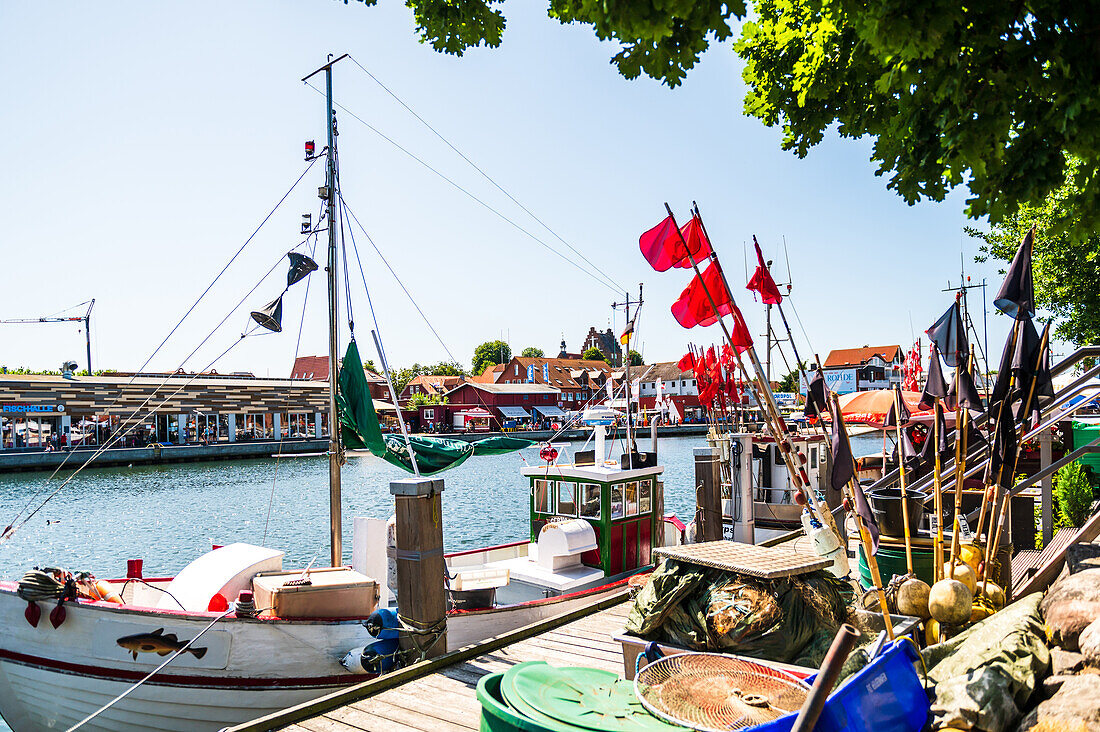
(443, 698)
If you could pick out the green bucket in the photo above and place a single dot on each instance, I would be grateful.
(891, 561)
(1083, 434)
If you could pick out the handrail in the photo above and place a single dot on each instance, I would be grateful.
(1092, 447)
(1063, 395)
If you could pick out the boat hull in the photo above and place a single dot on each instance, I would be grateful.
(51, 678)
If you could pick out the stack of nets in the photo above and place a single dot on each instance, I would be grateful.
(791, 620)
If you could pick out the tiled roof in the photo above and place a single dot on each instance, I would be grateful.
(665, 371)
(511, 388)
(564, 373)
(310, 367)
(859, 356)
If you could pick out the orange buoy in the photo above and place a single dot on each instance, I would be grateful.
(107, 593)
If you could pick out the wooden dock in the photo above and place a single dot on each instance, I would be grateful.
(440, 694)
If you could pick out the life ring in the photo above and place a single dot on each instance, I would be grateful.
(548, 454)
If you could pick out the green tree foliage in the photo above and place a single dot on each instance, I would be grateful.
(985, 94)
(402, 376)
(636, 358)
(532, 352)
(1066, 266)
(1073, 494)
(593, 354)
(420, 398)
(489, 353)
(789, 382)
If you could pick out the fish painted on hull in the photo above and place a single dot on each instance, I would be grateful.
(156, 642)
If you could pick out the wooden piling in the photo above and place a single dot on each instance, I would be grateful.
(708, 494)
(422, 599)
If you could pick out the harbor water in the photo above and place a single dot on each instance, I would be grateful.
(169, 515)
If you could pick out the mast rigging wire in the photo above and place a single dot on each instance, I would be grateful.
(16, 524)
(484, 174)
(500, 215)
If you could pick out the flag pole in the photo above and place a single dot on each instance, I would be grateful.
(764, 396)
(988, 501)
(901, 474)
(994, 539)
(962, 418)
(827, 515)
(937, 487)
(865, 537)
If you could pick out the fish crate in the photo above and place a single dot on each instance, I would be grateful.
(331, 592)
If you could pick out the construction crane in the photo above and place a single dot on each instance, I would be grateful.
(86, 318)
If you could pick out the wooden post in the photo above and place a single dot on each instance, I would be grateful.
(708, 494)
(1047, 491)
(422, 599)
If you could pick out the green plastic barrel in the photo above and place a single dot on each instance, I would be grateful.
(891, 561)
(496, 714)
(1083, 434)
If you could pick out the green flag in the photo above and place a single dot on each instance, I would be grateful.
(358, 422)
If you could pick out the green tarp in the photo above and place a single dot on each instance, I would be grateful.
(359, 429)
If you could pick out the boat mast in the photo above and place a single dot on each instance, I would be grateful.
(335, 454)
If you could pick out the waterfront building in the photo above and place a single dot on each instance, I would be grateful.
(576, 379)
(509, 406)
(863, 369)
(54, 412)
(431, 385)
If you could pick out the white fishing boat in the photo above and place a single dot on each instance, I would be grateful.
(236, 635)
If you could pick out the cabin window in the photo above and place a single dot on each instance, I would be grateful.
(632, 498)
(645, 496)
(616, 500)
(590, 500)
(567, 502)
(813, 457)
(544, 496)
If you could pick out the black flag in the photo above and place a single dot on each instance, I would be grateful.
(949, 335)
(300, 266)
(1032, 367)
(817, 399)
(929, 448)
(843, 472)
(1005, 445)
(271, 315)
(967, 394)
(1017, 293)
(935, 386)
(908, 452)
(1004, 371)
(891, 419)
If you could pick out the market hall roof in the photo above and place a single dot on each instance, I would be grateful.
(844, 357)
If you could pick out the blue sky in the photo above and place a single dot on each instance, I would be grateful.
(145, 142)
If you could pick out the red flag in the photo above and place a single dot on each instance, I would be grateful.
(742, 339)
(711, 360)
(687, 363)
(663, 246)
(697, 242)
(693, 306)
(762, 281)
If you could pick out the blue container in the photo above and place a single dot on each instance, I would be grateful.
(884, 696)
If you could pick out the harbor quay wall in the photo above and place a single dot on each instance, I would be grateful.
(13, 462)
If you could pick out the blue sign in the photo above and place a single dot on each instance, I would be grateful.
(840, 381)
(31, 408)
(531, 374)
(546, 373)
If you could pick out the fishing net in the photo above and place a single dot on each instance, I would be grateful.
(707, 691)
(792, 620)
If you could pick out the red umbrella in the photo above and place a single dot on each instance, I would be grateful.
(871, 407)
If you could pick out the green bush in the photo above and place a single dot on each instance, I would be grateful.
(1072, 494)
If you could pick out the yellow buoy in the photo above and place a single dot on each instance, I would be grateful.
(950, 602)
(971, 554)
(994, 593)
(913, 598)
(963, 573)
(979, 612)
(931, 632)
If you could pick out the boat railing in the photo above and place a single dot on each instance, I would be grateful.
(1058, 409)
